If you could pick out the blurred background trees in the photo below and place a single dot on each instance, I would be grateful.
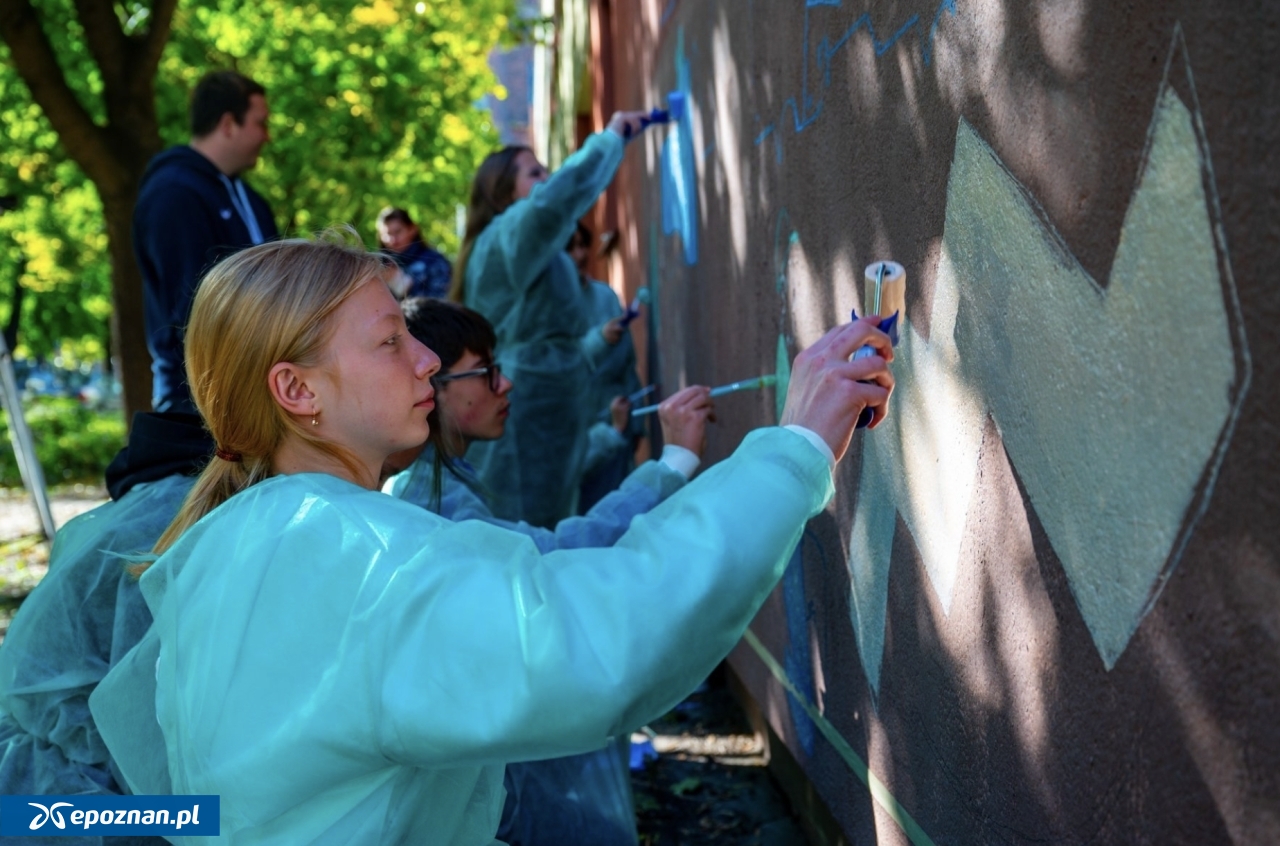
(372, 104)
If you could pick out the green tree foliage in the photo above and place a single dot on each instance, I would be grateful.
(73, 444)
(53, 244)
(373, 103)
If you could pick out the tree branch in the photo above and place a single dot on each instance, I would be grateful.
(105, 39)
(33, 57)
(148, 58)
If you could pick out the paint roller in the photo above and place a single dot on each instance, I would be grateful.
(886, 297)
(673, 112)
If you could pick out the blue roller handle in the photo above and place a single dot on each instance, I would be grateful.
(632, 312)
(674, 111)
(888, 325)
(655, 116)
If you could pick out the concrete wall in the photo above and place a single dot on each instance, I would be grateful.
(1044, 606)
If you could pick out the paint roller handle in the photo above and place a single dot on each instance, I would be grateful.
(655, 116)
(674, 111)
(888, 325)
(628, 124)
(632, 312)
(827, 394)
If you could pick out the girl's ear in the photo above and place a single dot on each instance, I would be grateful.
(290, 390)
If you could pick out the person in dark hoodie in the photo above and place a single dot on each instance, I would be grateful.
(194, 209)
(85, 615)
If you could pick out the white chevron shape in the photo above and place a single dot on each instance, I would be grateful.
(1115, 406)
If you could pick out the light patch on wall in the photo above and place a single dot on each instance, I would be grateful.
(921, 462)
(1061, 25)
(727, 86)
(1115, 438)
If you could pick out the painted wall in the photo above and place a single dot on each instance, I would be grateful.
(1044, 606)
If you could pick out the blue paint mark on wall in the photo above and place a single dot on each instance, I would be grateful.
(667, 12)
(806, 108)
(798, 659)
(679, 176)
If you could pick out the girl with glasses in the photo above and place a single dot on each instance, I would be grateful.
(473, 405)
(579, 798)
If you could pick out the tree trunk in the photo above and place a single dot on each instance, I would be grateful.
(128, 334)
(113, 156)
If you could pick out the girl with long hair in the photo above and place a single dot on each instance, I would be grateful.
(343, 667)
(513, 269)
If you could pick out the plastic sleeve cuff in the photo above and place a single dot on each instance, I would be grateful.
(683, 461)
(818, 443)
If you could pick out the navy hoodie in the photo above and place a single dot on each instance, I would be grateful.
(160, 445)
(184, 222)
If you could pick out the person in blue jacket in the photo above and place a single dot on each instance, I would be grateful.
(513, 269)
(580, 798)
(340, 666)
(85, 614)
(426, 270)
(193, 209)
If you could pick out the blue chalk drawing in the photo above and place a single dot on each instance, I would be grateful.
(806, 109)
(679, 173)
(1117, 445)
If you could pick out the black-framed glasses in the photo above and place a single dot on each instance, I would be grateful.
(493, 371)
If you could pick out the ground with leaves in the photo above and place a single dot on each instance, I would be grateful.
(24, 553)
(709, 785)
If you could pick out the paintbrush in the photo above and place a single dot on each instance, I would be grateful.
(766, 381)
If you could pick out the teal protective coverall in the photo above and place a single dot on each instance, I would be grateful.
(519, 276)
(80, 620)
(615, 374)
(580, 798)
(609, 453)
(344, 668)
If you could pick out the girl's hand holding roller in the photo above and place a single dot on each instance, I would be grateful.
(828, 392)
(627, 124)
